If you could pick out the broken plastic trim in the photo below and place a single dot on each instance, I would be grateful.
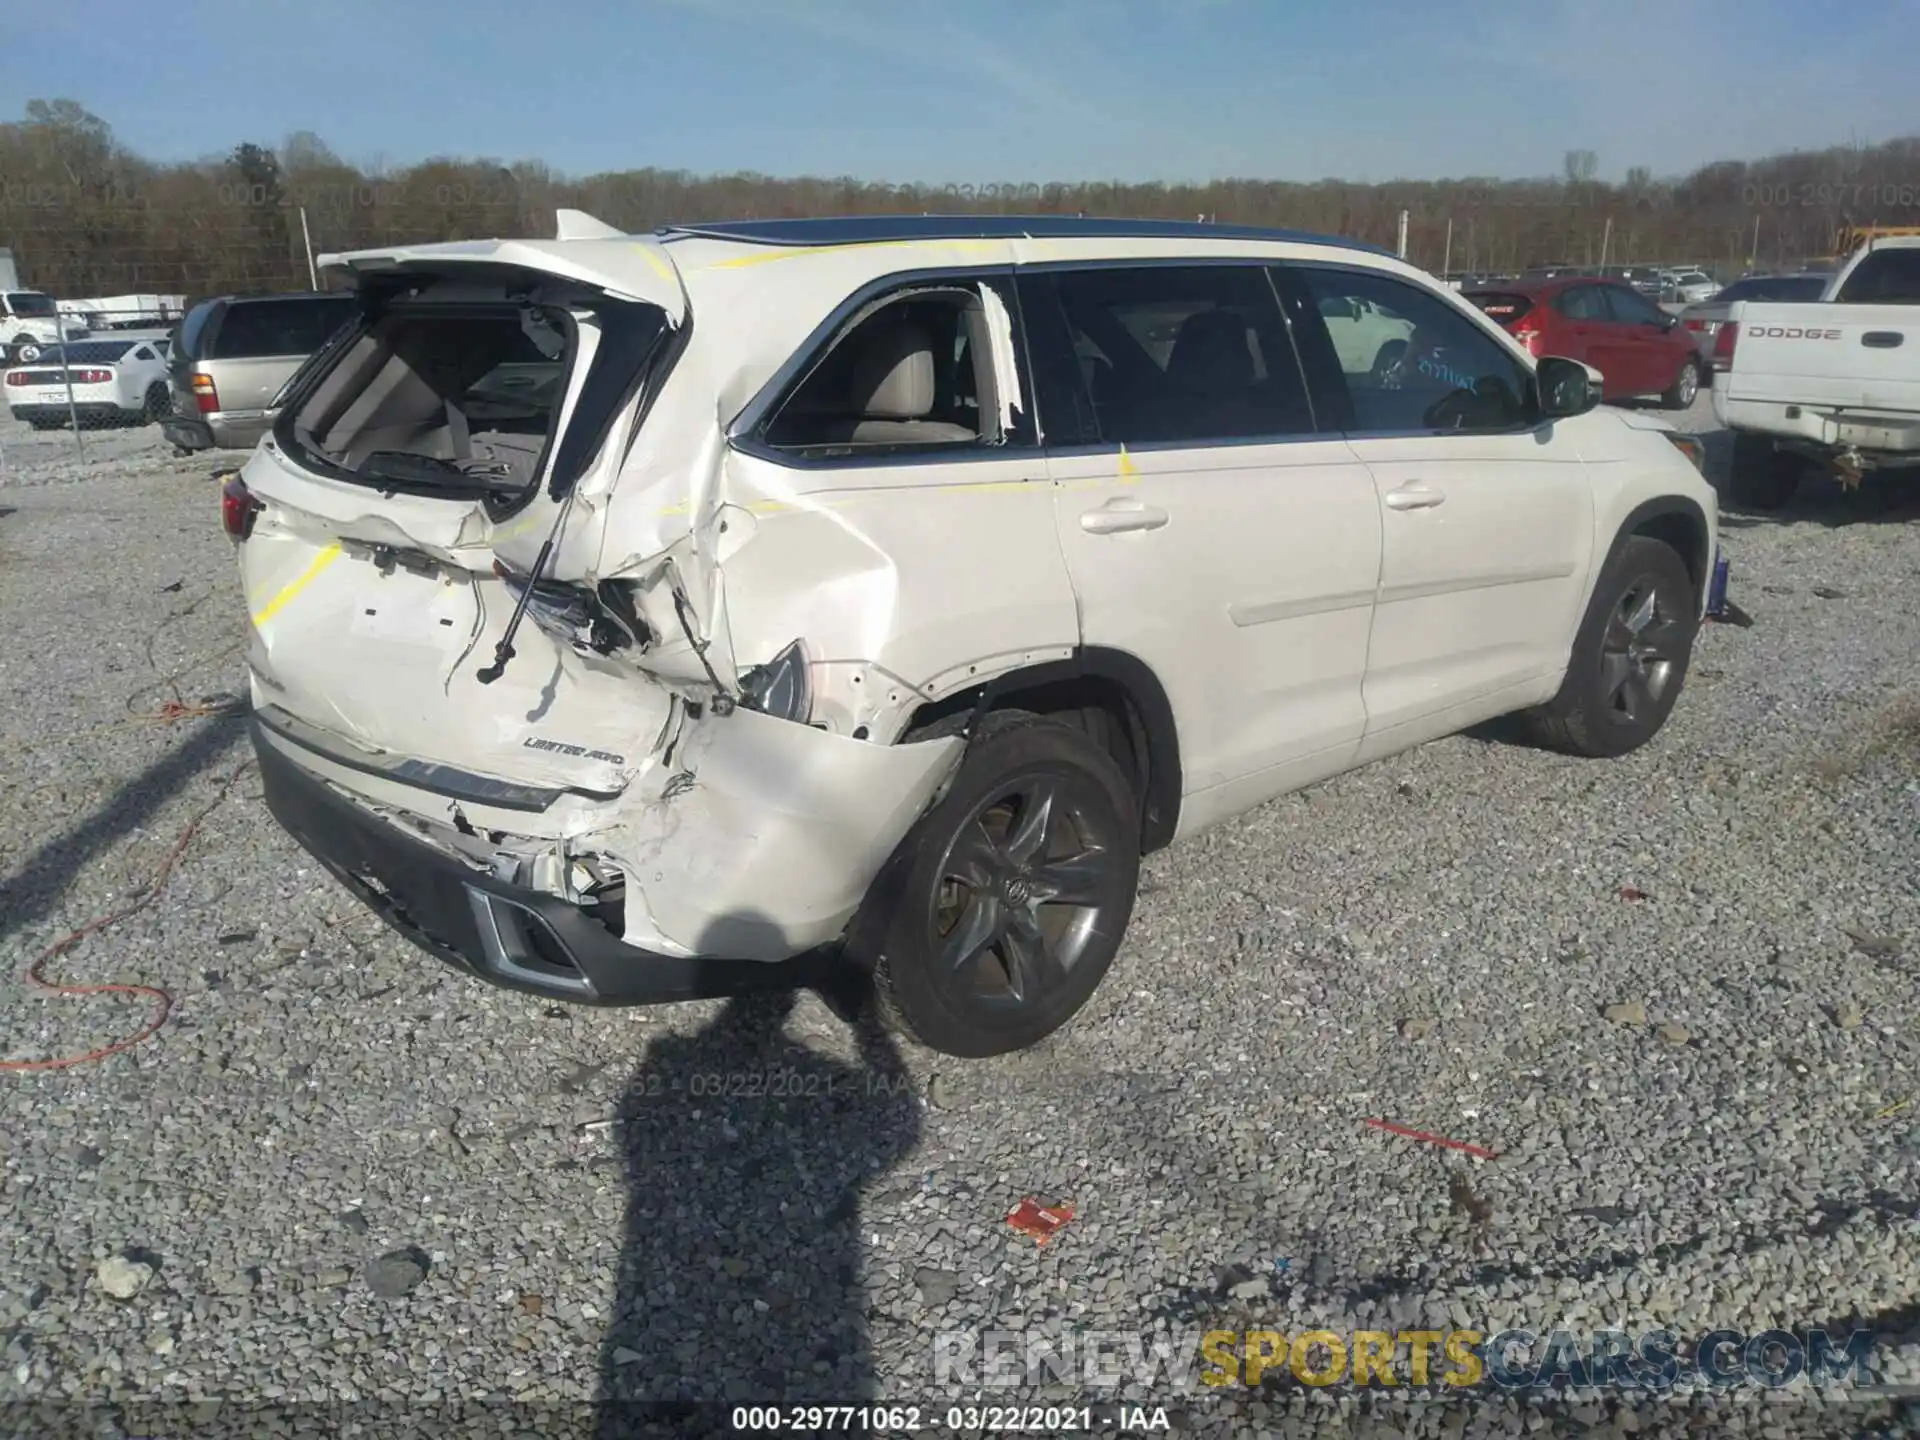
(780, 688)
(601, 621)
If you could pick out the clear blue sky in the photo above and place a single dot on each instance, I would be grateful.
(986, 90)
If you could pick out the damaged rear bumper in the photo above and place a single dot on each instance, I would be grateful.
(503, 933)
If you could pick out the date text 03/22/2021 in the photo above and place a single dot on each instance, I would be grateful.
(951, 1419)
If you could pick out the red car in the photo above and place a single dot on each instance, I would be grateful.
(1637, 346)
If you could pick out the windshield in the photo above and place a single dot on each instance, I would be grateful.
(1773, 287)
(87, 352)
(30, 302)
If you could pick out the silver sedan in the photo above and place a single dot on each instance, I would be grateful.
(1703, 321)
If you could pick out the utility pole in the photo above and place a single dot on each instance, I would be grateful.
(1606, 242)
(1403, 235)
(306, 238)
(1446, 262)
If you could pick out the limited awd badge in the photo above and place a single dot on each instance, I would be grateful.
(534, 742)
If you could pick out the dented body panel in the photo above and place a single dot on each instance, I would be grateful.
(578, 788)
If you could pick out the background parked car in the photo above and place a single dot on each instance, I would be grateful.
(122, 380)
(1703, 321)
(1691, 287)
(1638, 347)
(1368, 337)
(29, 320)
(233, 354)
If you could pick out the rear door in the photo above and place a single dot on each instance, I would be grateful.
(1486, 514)
(258, 344)
(1209, 529)
(1583, 330)
(1652, 355)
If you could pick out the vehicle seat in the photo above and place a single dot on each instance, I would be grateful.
(1210, 352)
(891, 394)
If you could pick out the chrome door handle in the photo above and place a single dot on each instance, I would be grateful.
(1120, 515)
(1415, 496)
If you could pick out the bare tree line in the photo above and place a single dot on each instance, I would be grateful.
(86, 215)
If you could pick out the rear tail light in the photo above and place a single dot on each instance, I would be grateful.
(205, 397)
(16, 377)
(1723, 344)
(92, 377)
(239, 508)
(1695, 324)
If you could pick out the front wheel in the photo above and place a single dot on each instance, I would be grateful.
(23, 348)
(1630, 657)
(1003, 908)
(1686, 385)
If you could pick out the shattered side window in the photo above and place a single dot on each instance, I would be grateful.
(918, 372)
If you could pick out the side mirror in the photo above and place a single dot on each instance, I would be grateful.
(1567, 388)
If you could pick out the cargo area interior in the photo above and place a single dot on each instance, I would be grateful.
(463, 394)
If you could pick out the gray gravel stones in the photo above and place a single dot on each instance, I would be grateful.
(1203, 1116)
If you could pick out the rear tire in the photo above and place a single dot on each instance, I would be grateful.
(1760, 476)
(1630, 657)
(1003, 908)
(1686, 385)
(159, 404)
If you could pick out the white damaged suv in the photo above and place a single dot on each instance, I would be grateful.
(632, 613)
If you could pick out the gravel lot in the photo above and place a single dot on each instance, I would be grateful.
(1433, 941)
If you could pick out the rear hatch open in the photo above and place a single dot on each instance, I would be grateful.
(419, 467)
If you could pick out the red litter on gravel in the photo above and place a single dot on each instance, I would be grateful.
(1042, 1222)
(1428, 1138)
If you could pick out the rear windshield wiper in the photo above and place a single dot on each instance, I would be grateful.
(404, 468)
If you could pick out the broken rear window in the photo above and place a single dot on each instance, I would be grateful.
(462, 398)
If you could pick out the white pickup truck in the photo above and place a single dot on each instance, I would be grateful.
(1835, 383)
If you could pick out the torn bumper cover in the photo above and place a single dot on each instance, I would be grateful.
(802, 844)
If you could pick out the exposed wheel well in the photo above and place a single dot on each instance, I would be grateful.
(1686, 531)
(1111, 695)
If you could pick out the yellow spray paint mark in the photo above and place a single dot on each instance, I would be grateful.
(1129, 472)
(660, 266)
(299, 582)
(1893, 1109)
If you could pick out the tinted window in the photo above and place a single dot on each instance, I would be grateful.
(30, 302)
(1583, 302)
(1773, 287)
(257, 328)
(914, 373)
(1886, 277)
(1631, 309)
(85, 352)
(1501, 307)
(1166, 354)
(1425, 366)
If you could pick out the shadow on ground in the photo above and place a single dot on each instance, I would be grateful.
(34, 891)
(746, 1156)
